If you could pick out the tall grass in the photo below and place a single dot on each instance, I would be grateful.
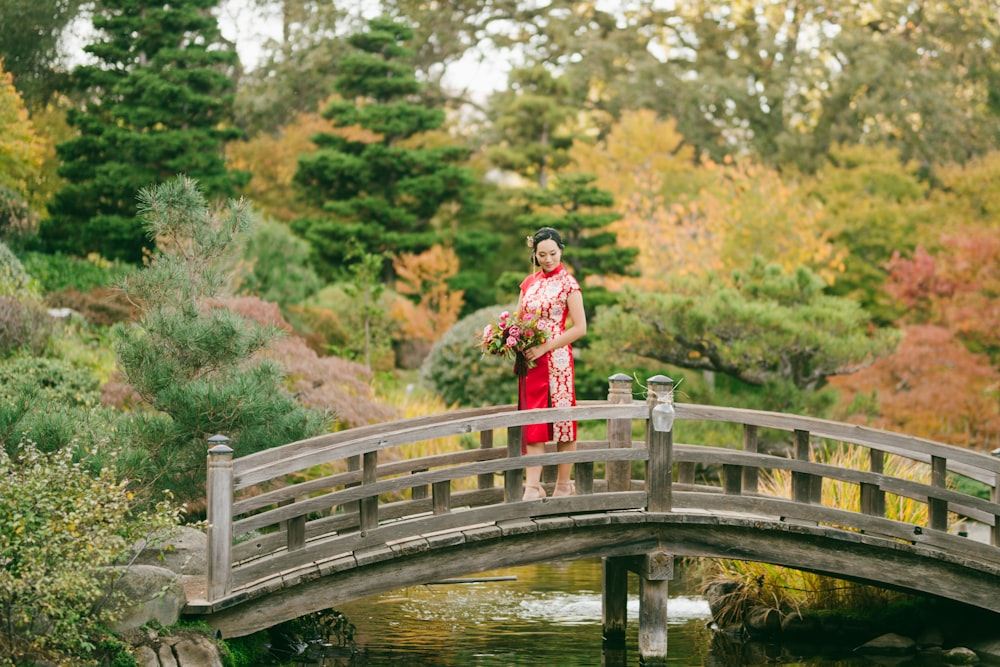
(788, 589)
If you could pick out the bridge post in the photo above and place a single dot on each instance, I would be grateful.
(660, 441)
(219, 494)
(656, 569)
(619, 473)
(512, 479)
(614, 601)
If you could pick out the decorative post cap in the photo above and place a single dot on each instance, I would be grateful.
(219, 444)
(620, 377)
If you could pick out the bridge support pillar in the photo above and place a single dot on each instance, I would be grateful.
(614, 610)
(655, 571)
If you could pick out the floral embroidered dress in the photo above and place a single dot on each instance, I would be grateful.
(550, 384)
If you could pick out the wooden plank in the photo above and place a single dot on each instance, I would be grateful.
(750, 444)
(485, 443)
(801, 481)
(937, 507)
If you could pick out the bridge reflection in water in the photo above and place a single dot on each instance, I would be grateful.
(280, 548)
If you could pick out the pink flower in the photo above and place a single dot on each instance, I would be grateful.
(487, 331)
(511, 341)
(504, 316)
(514, 332)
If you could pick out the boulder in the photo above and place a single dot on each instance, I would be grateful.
(888, 644)
(150, 594)
(960, 656)
(183, 553)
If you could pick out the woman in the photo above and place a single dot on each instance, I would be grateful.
(551, 294)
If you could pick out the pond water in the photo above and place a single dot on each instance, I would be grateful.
(541, 615)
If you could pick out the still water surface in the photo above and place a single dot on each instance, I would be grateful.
(548, 615)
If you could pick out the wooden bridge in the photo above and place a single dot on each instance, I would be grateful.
(316, 523)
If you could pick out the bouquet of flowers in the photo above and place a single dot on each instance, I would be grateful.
(510, 336)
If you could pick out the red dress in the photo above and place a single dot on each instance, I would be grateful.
(550, 384)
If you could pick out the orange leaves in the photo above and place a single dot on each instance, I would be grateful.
(426, 276)
(930, 387)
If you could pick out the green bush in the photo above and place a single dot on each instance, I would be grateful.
(57, 271)
(24, 325)
(277, 267)
(60, 527)
(459, 372)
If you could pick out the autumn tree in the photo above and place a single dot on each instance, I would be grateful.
(429, 306)
(384, 190)
(932, 387)
(21, 154)
(157, 104)
(873, 205)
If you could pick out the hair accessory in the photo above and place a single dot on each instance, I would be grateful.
(531, 240)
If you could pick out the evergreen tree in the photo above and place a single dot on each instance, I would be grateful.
(192, 359)
(382, 190)
(579, 210)
(529, 122)
(157, 104)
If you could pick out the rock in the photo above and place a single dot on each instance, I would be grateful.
(187, 649)
(151, 594)
(146, 657)
(197, 651)
(960, 656)
(184, 553)
(762, 621)
(888, 644)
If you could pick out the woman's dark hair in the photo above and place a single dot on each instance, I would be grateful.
(544, 234)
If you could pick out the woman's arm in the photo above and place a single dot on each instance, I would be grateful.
(576, 331)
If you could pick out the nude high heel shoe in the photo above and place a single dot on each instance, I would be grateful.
(564, 489)
(533, 492)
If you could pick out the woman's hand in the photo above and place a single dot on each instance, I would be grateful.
(535, 353)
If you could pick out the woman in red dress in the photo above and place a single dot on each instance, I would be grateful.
(552, 295)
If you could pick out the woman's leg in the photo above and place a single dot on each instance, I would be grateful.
(533, 474)
(564, 485)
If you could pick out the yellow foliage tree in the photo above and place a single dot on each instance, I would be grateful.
(425, 277)
(21, 149)
(690, 219)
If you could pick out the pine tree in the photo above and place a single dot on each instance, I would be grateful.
(579, 211)
(157, 104)
(189, 357)
(381, 190)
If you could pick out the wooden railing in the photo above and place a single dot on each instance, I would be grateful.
(267, 516)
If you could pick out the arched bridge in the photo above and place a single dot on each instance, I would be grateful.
(659, 480)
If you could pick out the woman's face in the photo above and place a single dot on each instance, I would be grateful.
(548, 254)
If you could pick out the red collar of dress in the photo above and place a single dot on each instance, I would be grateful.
(555, 271)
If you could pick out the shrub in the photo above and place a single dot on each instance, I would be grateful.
(277, 267)
(60, 527)
(457, 369)
(24, 325)
(14, 279)
(100, 306)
